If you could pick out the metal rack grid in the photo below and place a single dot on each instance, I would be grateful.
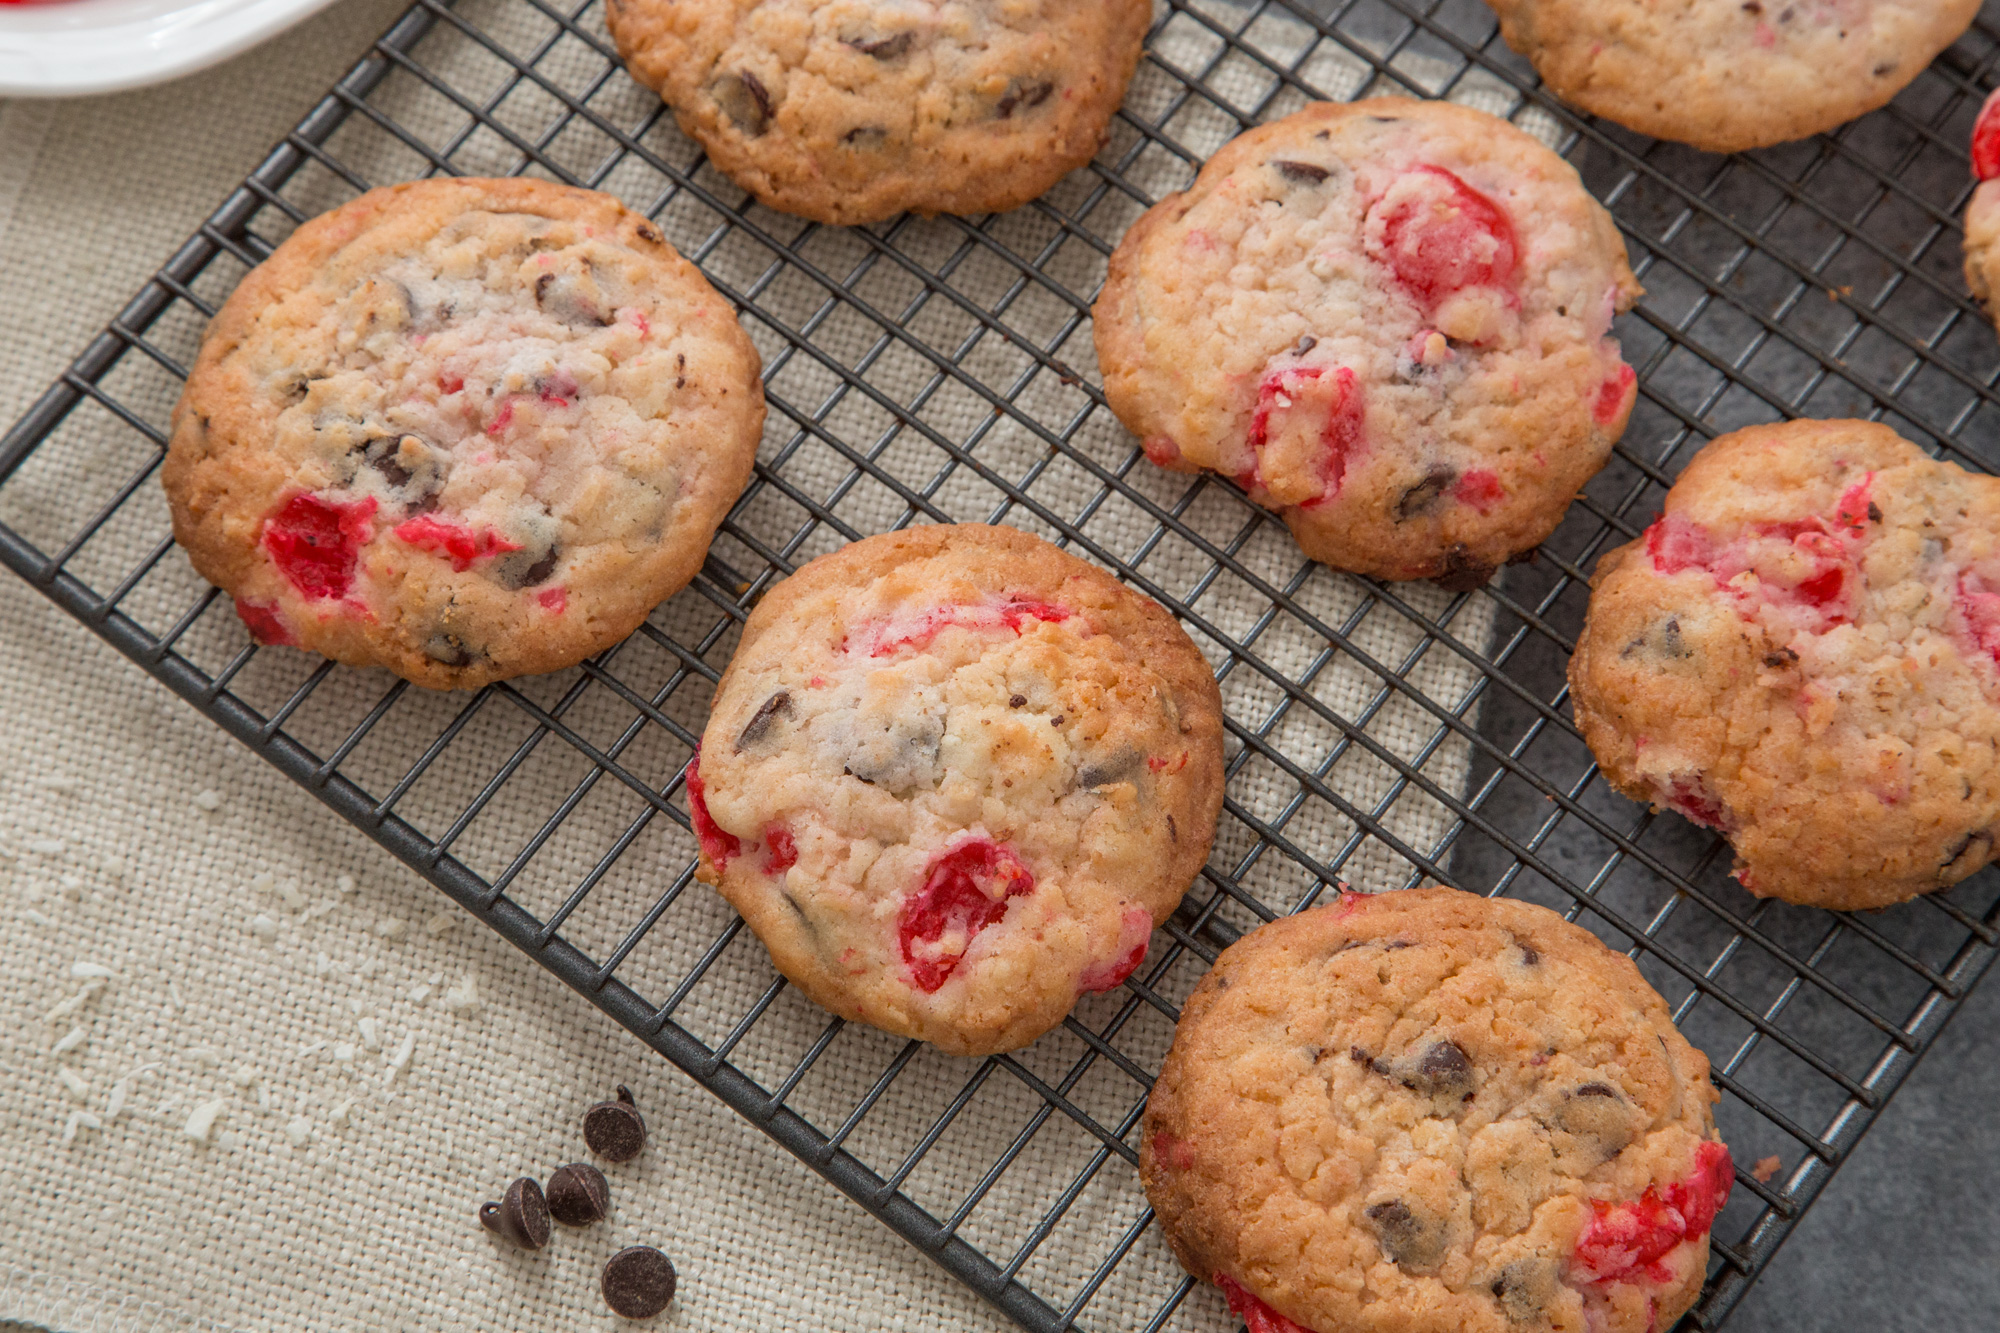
(932, 371)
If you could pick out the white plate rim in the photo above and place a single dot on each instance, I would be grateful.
(72, 48)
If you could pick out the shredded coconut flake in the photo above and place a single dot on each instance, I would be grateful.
(290, 893)
(79, 1120)
(73, 1003)
(229, 1140)
(70, 1041)
(371, 1032)
(344, 883)
(263, 1098)
(420, 993)
(73, 1083)
(319, 909)
(46, 846)
(263, 881)
(30, 914)
(242, 1076)
(298, 1130)
(437, 924)
(312, 1049)
(121, 1091)
(204, 1057)
(462, 997)
(369, 967)
(343, 1051)
(175, 992)
(339, 1114)
(401, 1059)
(86, 969)
(209, 800)
(201, 1121)
(390, 928)
(264, 927)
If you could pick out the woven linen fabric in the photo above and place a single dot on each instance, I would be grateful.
(182, 929)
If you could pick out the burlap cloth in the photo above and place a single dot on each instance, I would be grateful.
(375, 1062)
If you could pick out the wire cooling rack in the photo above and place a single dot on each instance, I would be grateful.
(930, 371)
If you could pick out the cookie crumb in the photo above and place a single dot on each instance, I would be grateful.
(1766, 1168)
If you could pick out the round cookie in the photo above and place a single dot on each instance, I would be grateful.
(851, 111)
(1803, 653)
(1727, 76)
(953, 779)
(1388, 320)
(1431, 1112)
(464, 430)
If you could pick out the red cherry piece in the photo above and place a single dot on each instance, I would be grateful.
(965, 891)
(1623, 1241)
(1161, 451)
(782, 853)
(1176, 1153)
(555, 601)
(1691, 799)
(266, 626)
(1135, 936)
(455, 542)
(891, 636)
(1257, 1317)
(502, 419)
(1479, 488)
(317, 543)
(1852, 511)
(1986, 140)
(1980, 608)
(1440, 236)
(1306, 411)
(1676, 544)
(1614, 394)
(717, 845)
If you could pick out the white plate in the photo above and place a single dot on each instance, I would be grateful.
(68, 47)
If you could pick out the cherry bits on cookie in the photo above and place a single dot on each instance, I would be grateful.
(1389, 321)
(953, 779)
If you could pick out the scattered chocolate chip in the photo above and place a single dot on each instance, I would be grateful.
(1305, 344)
(1018, 701)
(1874, 512)
(886, 48)
(1404, 1236)
(578, 1195)
(1359, 1056)
(1784, 657)
(866, 138)
(638, 1282)
(1596, 1090)
(648, 232)
(1443, 1070)
(448, 649)
(1302, 173)
(1023, 92)
(1524, 1289)
(380, 454)
(1671, 642)
(522, 1215)
(567, 298)
(1528, 954)
(1975, 846)
(541, 569)
(1461, 572)
(1885, 69)
(614, 1130)
(745, 100)
(777, 706)
(1057, 720)
(1173, 829)
(1103, 772)
(1423, 497)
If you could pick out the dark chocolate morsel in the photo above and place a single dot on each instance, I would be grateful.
(1023, 92)
(1404, 1236)
(777, 706)
(1173, 829)
(866, 138)
(1528, 953)
(648, 232)
(1018, 701)
(1784, 657)
(1976, 847)
(614, 1130)
(886, 48)
(1524, 1288)
(1302, 173)
(1596, 1090)
(1110, 769)
(1461, 572)
(522, 1215)
(381, 455)
(744, 99)
(448, 649)
(541, 569)
(1443, 1070)
(565, 297)
(1874, 512)
(1305, 344)
(578, 1194)
(638, 1282)
(1423, 497)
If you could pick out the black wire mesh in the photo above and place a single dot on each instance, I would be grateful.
(937, 371)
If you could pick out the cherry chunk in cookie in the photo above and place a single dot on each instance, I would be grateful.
(1432, 1112)
(1388, 320)
(1803, 654)
(463, 429)
(953, 779)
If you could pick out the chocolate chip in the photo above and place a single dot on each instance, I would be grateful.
(541, 569)
(1057, 720)
(410, 467)
(1023, 92)
(1103, 772)
(1461, 572)
(1018, 701)
(1442, 1071)
(448, 649)
(567, 297)
(380, 454)
(1885, 69)
(1423, 497)
(1524, 1288)
(1784, 657)
(1404, 1236)
(777, 706)
(648, 232)
(1359, 1056)
(638, 1282)
(1305, 344)
(745, 100)
(886, 48)
(522, 1215)
(578, 1195)
(1528, 954)
(1671, 643)
(1302, 173)
(1173, 829)
(1596, 1090)
(614, 1130)
(1976, 847)
(866, 138)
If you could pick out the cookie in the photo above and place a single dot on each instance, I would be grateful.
(1725, 75)
(1388, 320)
(1982, 214)
(1431, 1112)
(954, 777)
(851, 111)
(464, 430)
(1803, 654)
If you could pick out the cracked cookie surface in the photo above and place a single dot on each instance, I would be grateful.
(1725, 75)
(954, 777)
(463, 429)
(1803, 653)
(1389, 321)
(1430, 1112)
(851, 111)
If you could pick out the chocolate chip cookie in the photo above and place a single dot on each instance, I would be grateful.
(1725, 75)
(1390, 321)
(1431, 1112)
(1803, 653)
(851, 111)
(464, 430)
(953, 779)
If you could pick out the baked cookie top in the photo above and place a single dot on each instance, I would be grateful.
(463, 429)
(1431, 1112)
(954, 777)
(851, 111)
(1727, 76)
(1801, 654)
(1390, 321)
